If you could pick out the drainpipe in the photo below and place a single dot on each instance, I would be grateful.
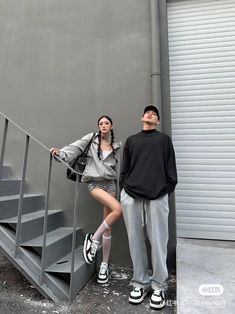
(156, 65)
(161, 97)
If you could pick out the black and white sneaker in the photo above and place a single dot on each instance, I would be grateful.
(158, 300)
(90, 248)
(103, 275)
(137, 295)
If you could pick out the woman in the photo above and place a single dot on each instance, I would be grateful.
(100, 175)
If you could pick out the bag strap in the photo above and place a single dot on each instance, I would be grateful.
(88, 145)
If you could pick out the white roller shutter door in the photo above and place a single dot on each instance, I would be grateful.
(202, 80)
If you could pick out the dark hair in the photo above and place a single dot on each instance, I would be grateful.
(106, 117)
(112, 137)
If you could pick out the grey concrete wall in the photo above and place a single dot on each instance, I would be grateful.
(63, 63)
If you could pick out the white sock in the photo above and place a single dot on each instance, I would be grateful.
(100, 231)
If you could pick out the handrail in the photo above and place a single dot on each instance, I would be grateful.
(20, 205)
(37, 141)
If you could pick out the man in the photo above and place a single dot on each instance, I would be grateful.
(148, 176)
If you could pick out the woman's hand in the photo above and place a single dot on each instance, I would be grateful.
(54, 151)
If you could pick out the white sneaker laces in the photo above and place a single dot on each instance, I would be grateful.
(103, 269)
(136, 290)
(93, 248)
(157, 293)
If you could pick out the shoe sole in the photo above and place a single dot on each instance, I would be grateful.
(156, 306)
(102, 281)
(84, 250)
(135, 301)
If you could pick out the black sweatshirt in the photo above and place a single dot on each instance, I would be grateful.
(148, 167)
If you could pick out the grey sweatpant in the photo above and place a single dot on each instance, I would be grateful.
(155, 214)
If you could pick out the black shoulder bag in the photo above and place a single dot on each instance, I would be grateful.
(79, 163)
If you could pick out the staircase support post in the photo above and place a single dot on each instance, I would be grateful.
(75, 217)
(20, 205)
(45, 221)
(3, 146)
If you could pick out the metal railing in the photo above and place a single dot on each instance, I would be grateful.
(28, 138)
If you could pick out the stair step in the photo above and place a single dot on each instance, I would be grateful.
(17, 196)
(31, 260)
(7, 237)
(32, 255)
(9, 186)
(9, 231)
(32, 224)
(58, 244)
(9, 204)
(59, 287)
(62, 269)
(64, 264)
(51, 238)
(17, 262)
(29, 217)
(6, 171)
(58, 283)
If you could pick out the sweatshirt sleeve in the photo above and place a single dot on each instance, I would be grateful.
(171, 168)
(70, 152)
(125, 165)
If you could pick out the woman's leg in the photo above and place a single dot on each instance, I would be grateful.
(109, 202)
(103, 275)
(106, 239)
(112, 212)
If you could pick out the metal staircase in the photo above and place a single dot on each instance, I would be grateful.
(34, 238)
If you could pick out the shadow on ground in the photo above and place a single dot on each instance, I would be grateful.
(17, 295)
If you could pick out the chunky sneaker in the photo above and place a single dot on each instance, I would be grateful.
(90, 248)
(137, 295)
(158, 300)
(103, 275)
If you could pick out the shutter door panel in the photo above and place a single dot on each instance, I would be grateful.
(202, 85)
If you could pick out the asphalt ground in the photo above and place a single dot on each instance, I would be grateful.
(18, 296)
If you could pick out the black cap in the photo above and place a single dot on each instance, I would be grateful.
(152, 108)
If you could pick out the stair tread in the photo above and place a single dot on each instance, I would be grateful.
(63, 265)
(11, 180)
(17, 196)
(52, 237)
(28, 217)
(6, 171)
